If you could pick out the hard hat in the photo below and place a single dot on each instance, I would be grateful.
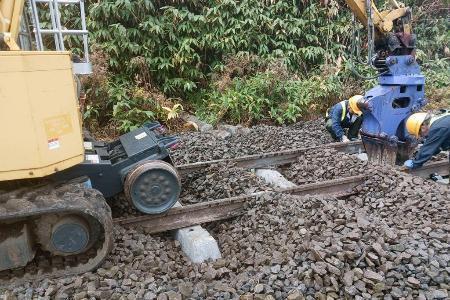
(414, 122)
(353, 102)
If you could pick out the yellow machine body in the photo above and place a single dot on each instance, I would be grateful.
(39, 116)
(383, 20)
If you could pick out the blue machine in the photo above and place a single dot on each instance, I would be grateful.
(387, 106)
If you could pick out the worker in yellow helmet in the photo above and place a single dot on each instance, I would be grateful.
(436, 131)
(344, 114)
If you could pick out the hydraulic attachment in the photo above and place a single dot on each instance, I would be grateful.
(400, 89)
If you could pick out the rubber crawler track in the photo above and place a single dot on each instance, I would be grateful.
(74, 198)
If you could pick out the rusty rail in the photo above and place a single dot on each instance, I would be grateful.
(216, 210)
(339, 187)
(189, 215)
(289, 156)
(271, 158)
(440, 167)
(194, 214)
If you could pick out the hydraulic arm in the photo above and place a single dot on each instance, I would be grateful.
(10, 14)
(384, 20)
(389, 30)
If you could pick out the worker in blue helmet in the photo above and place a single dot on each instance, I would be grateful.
(344, 115)
(435, 129)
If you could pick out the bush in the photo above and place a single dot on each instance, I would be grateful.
(166, 49)
(273, 94)
(182, 41)
(127, 104)
(437, 74)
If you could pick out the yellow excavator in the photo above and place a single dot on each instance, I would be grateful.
(54, 219)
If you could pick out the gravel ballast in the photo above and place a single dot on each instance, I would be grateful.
(219, 181)
(322, 165)
(388, 241)
(234, 141)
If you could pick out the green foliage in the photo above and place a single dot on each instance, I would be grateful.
(181, 43)
(437, 73)
(116, 99)
(266, 95)
(431, 24)
(130, 110)
(129, 106)
(177, 48)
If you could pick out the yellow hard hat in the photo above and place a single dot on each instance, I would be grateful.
(414, 122)
(353, 101)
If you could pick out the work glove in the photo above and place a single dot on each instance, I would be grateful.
(345, 139)
(409, 164)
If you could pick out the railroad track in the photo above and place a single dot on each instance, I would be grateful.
(440, 167)
(199, 213)
(271, 158)
(216, 210)
(185, 216)
(180, 217)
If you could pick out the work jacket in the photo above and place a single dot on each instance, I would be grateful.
(341, 118)
(438, 139)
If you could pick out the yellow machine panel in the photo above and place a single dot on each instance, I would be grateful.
(39, 116)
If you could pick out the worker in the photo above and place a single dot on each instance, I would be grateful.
(344, 114)
(436, 131)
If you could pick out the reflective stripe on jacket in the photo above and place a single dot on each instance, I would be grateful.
(344, 110)
(438, 139)
(338, 114)
(440, 116)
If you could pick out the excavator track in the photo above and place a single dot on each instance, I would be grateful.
(36, 206)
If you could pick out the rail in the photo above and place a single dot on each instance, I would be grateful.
(279, 158)
(216, 210)
(271, 158)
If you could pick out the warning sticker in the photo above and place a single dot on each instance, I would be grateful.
(140, 135)
(93, 158)
(58, 126)
(87, 145)
(53, 144)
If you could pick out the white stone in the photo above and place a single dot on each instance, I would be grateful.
(197, 243)
(229, 128)
(274, 178)
(443, 181)
(202, 126)
(221, 134)
(362, 156)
